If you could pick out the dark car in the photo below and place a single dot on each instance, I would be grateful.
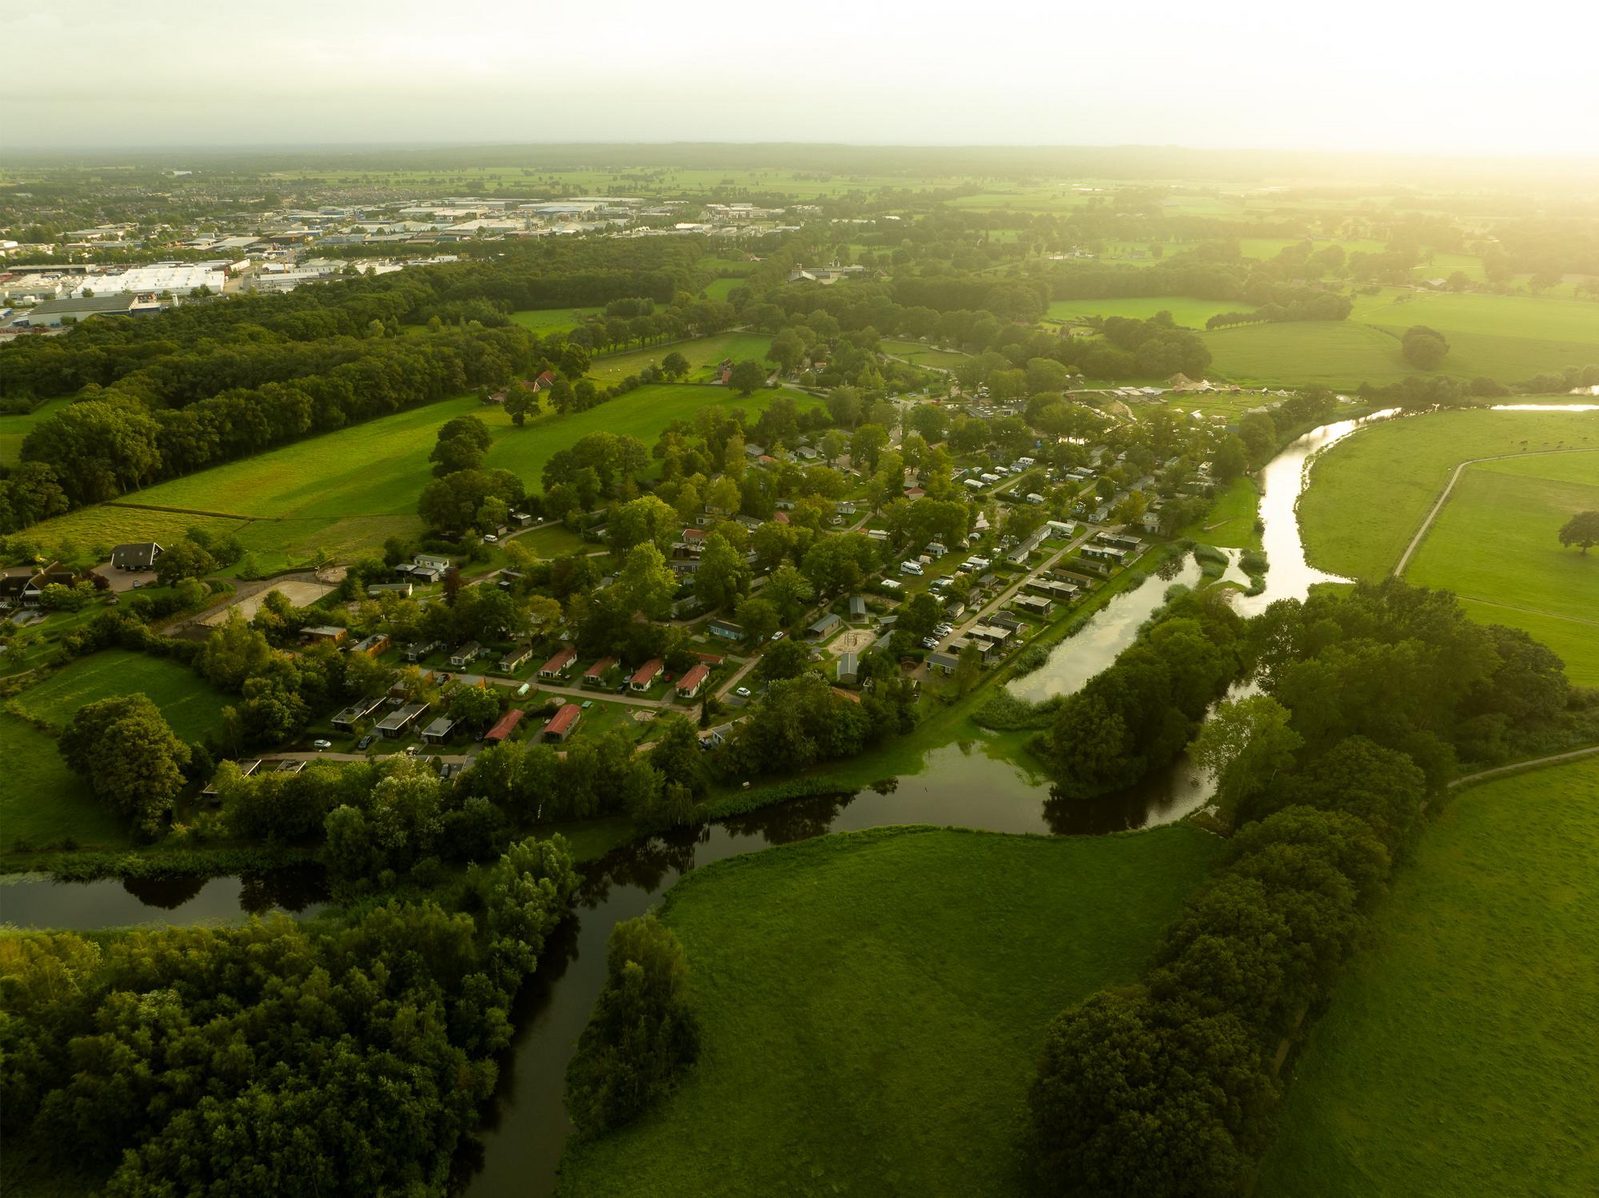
(621, 688)
(365, 743)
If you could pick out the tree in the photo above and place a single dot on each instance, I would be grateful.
(968, 669)
(746, 376)
(758, 617)
(183, 560)
(1582, 529)
(722, 575)
(474, 706)
(1244, 745)
(674, 366)
(234, 652)
(1424, 348)
(647, 518)
(646, 583)
(642, 1034)
(129, 755)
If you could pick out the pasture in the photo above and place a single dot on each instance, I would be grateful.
(703, 354)
(1191, 313)
(1457, 1058)
(191, 705)
(924, 355)
(43, 803)
(1369, 494)
(545, 321)
(1322, 353)
(1506, 337)
(1494, 545)
(14, 427)
(871, 1005)
(345, 492)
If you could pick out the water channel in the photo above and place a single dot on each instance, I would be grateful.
(961, 784)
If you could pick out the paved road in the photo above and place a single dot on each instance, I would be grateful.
(1415, 541)
(1519, 766)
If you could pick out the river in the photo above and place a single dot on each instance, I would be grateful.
(969, 785)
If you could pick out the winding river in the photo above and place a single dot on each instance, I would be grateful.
(961, 784)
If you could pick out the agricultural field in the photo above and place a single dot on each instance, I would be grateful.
(1506, 337)
(1320, 353)
(1494, 545)
(191, 705)
(1369, 494)
(896, 1060)
(703, 355)
(924, 355)
(345, 492)
(545, 321)
(42, 802)
(1191, 313)
(1457, 1057)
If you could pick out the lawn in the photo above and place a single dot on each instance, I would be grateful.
(1494, 544)
(545, 321)
(720, 289)
(924, 355)
(1458, 1056)
(191, 705)
(13, 428)
(1230, 523)
(42, 802)
(1369, 494)
(703, 354)
(872, 1005)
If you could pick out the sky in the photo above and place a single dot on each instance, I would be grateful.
(1406, 76)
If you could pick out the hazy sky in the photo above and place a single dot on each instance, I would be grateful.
(1403, 75)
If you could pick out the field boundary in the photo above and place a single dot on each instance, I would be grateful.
(1518, 767)
(1438, 505)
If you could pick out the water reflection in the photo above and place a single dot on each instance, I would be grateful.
(40, 902)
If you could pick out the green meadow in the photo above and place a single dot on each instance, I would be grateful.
(703, 355)
(924, 355)
(43, 803)
(191, 705)
(871, 1006)
(545, 321)
(1506, 337)
(13, 428)
(1369, 494)
(1494, 545)
(1321, 353)
(1457, 1058)
(345, 492)
(1191, 313)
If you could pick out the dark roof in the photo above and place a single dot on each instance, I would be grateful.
(97, 303)
(136, 555)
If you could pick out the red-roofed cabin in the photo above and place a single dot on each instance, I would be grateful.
(562, 722)
(598, 673)
(505, 727)
(559, 665)
(689, 685)
(646, 674)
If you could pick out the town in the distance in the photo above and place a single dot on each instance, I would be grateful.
(719, 669)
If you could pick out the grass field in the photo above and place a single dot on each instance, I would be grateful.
(1458, 1056)
(346, 492)
(872, 1004)
(1507, 337)
(1191, 313)
(1494, 545)
(1369, 494)
(14, 428)
(191, 705)
(42, 802)
(1324, 353)
(545, 321)
(1230, 523)
(703, 355)
(720, 289)
(924, 355)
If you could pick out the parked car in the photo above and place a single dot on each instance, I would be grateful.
(621, 688)
(365, 743)
(743, 692)
(489, 538)
(929, 642)
(319, 744)
(778, 635)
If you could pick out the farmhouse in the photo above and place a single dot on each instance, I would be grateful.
(504, 727)
(347, 719)
(689, 685)
(562, 723)
(559, 665)
(397, 722)
(137, 555)
(646, 674)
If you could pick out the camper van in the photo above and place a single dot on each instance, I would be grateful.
(911, 568)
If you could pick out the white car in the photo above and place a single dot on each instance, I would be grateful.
(778, 635)
(743, 692)
(321, 744)
(489, 538)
